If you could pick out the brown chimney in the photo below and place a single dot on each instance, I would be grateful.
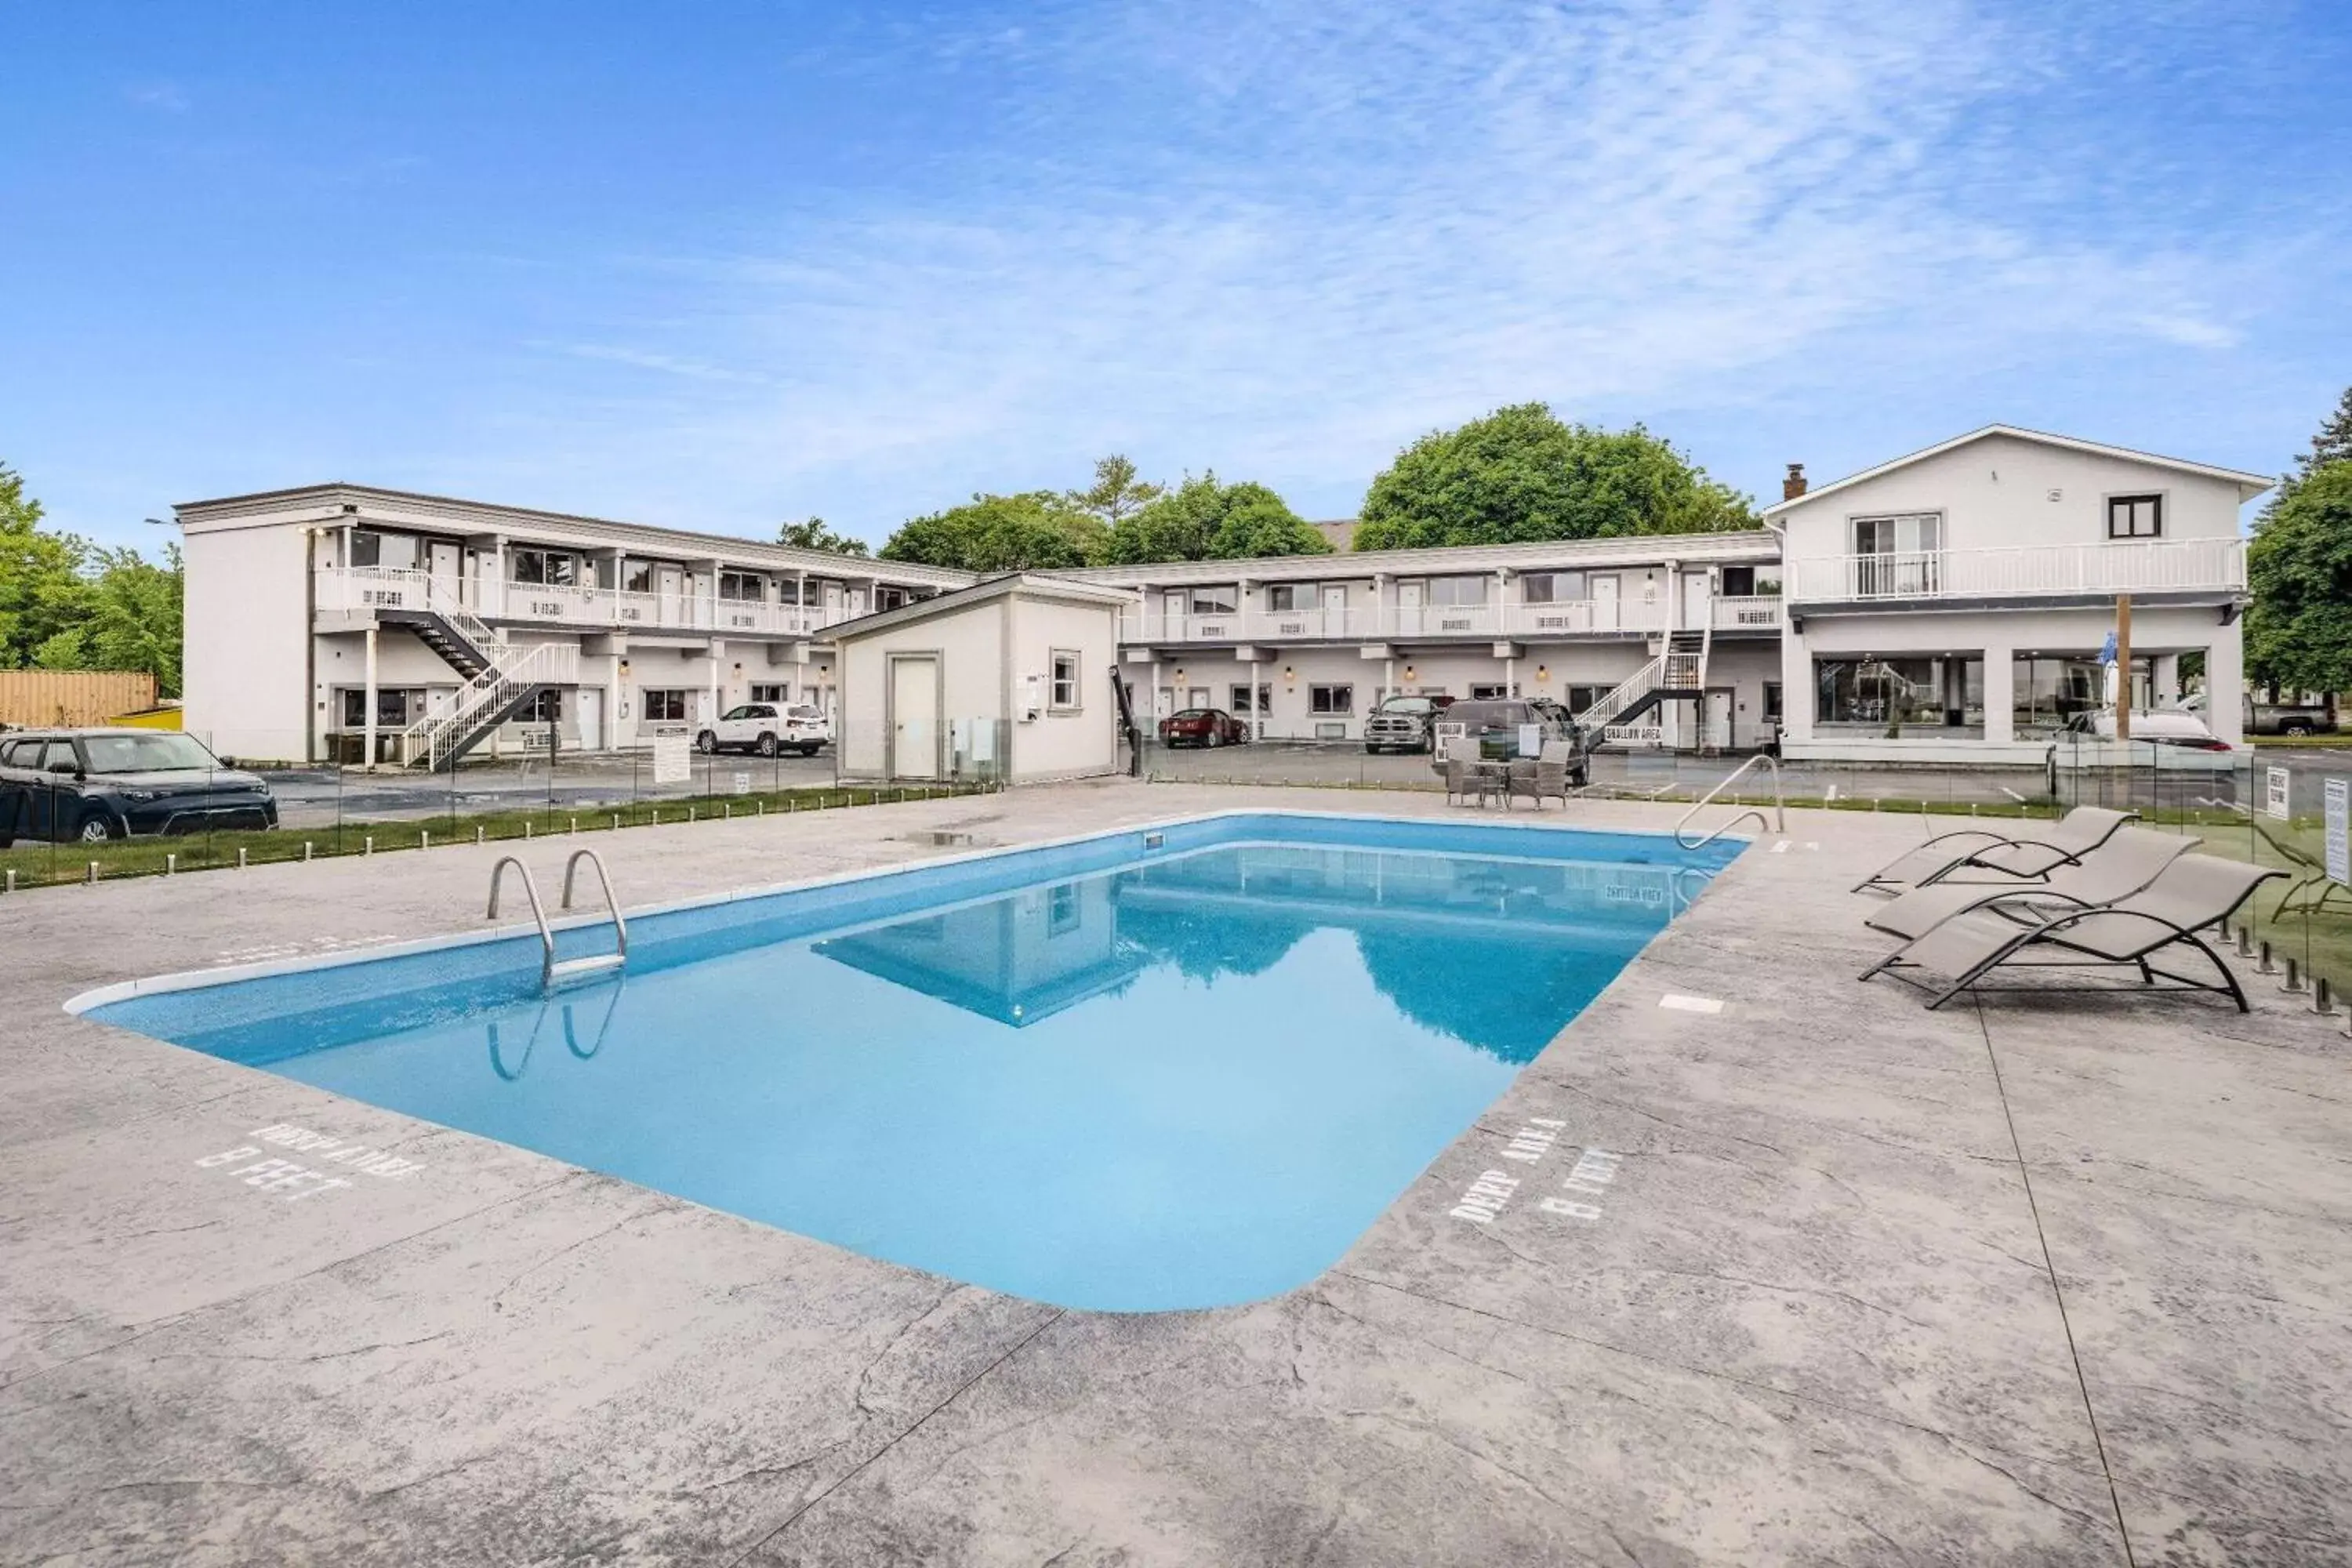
(1794, 484)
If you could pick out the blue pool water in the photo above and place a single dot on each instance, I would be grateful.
(1100, 1075)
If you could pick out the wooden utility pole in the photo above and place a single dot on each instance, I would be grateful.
(2123, 666)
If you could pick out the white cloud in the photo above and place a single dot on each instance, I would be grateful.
(1282, 239)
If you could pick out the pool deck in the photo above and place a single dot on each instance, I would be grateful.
(2030, 1282)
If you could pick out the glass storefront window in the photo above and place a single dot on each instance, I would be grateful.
(1898, 694)
(2049, 689)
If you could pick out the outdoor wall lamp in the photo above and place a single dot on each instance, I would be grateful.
(1408, 672)
(1542, 674)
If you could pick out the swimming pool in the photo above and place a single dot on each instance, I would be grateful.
(1151, 1069)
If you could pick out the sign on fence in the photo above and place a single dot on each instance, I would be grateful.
(2339, 831)
(2274, 792)
(743, 784)
(673, 759)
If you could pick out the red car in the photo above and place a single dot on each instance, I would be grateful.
(1202, 727)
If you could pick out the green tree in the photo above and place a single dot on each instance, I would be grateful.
(2332, 444)
(1116, 494)
(2299, 577)
(1520, 476)
(1035, 531)
(814, 534)
(43, 592)
(1201, 519)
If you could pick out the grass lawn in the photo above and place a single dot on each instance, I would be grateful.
(41, 865)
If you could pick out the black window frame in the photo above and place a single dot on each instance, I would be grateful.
(2152, 499)
(1320, 703)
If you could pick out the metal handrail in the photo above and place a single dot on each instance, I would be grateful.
(1777, 823)
(538, 913)
(620, 926)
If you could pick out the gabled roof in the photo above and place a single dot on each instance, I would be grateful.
(2249, 485)
(1035, 584)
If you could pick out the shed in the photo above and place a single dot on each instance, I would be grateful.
(1009, 680)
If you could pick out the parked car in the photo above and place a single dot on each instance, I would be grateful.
(2163, 727)
(1499, 725)
(1202, 727)
(766, 728)
(1404, 723)
(2288, 719)
(96, 785)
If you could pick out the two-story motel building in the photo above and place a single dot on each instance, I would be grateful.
(1947, 606)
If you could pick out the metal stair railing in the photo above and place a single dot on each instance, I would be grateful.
(1777, 823)
(452, 720)
(554, 972)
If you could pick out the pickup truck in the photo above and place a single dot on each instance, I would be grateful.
(1403, 723)
(97, 785)
(766, 728)
(2288, 719)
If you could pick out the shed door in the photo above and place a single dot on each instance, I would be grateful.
(914, 717)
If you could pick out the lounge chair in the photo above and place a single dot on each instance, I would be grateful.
(2192, 893)
(2017, 856)
(2121, 867)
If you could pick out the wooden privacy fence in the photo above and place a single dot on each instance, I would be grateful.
(38, 697)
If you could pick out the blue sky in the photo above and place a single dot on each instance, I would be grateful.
(715, 265)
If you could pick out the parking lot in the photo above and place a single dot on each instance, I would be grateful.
(321, 797)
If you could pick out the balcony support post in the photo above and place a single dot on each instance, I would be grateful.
(368, 760)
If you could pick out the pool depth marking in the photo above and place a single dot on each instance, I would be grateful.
(1594, 1171)
(293, 1181)
(1484, 1198)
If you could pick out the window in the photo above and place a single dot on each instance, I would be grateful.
(2135, 517)
(2046, 690)
(1062, 909)
(1942, 693)
(1551, 587)
(1065, 681)
(367, 549)
(1213, 601)
(1739, 582)
(665, 706)
(1898, 555)
(640, 578)
(788, 591)
(1580, 698)
(1494, 692)
(1458, 590)
(547, 708)
(760, 693)
(552, 568)
(742, 585)
(1286, 596)
(391, 707)
(1772, 702)
(887, 597)
(1330, 699)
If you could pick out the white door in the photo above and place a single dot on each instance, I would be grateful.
(1714, 726)
(1172, 614)
(1335, 610)
(1197, 697)
(591, 718)
(670, 583)
(833, 603)
(441, 565)
(914, 718)
(1408, 609)
(1696, 595)
(1603, 593)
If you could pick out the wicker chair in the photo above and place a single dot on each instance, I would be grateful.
(1464, 777)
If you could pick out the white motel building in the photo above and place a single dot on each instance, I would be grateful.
(1947, 606)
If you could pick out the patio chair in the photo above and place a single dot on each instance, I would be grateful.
(1464, 776)
(2116, 870)
(1552, 771)
(2017, 856)
(2192, 893)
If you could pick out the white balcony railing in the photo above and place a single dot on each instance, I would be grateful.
(1368, 623)
(2116, 566)
(378, 587)
(1748, 613)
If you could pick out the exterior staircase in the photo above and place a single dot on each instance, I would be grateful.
(501, 677)
(1678, 671)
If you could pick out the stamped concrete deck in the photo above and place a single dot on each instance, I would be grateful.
(2019, 1284)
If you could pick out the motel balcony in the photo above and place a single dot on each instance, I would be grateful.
(1439, 623)
(364, 588)
(2181, 571)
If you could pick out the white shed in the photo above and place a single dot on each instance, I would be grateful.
(1007, 679)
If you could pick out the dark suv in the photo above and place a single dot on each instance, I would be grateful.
(96, 785)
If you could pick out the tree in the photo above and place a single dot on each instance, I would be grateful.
(814, 534)
(1035, 530)
(1520, 476)
(2299, 576)
(43, 592)
(1116, 494)
(1203, 520)
(134, 620)
(2332, 444)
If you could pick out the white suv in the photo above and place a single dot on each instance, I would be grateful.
(767, 727)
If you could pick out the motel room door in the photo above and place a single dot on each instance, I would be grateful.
(1409, 609)
(670, 582)
(1698, 588)
(1335, 610)
(914, 717)
(590, 700)
(1603, 592)
(442, 569)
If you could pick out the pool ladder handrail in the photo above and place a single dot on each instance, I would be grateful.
(553, 972)
(1777, 823)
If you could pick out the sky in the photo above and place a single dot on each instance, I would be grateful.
(719, 266)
